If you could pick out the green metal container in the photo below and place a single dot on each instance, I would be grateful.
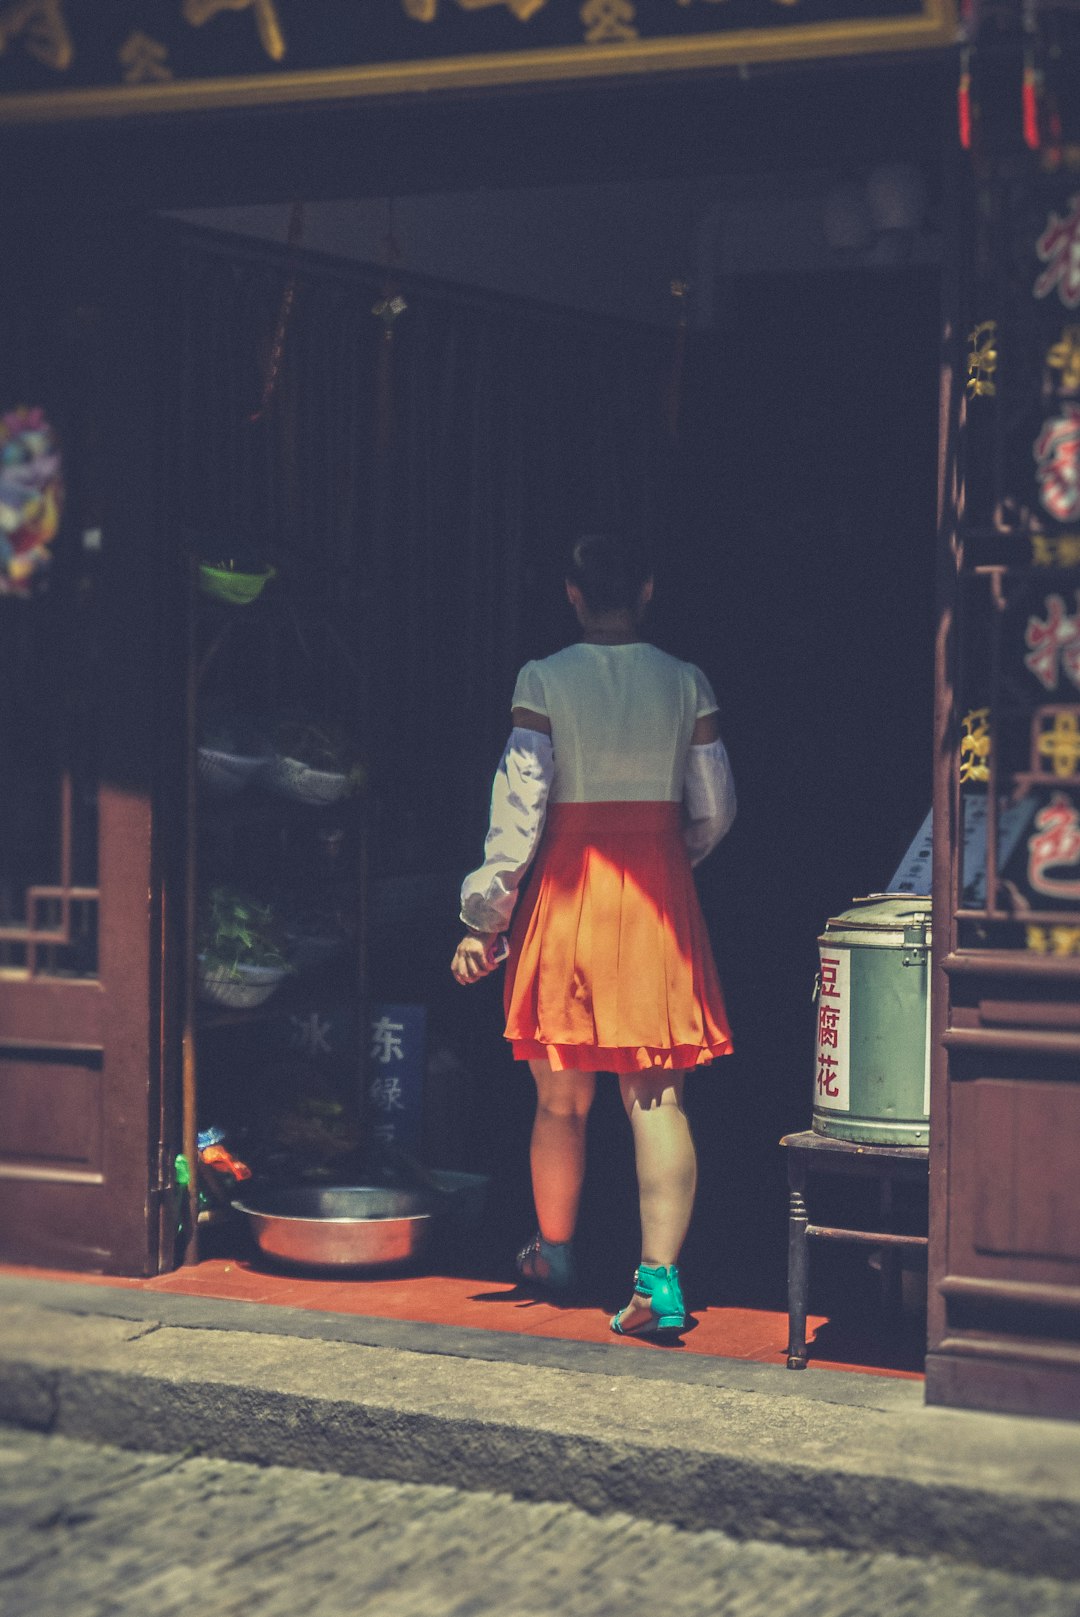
(872, 1053)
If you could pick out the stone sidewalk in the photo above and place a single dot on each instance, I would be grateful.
(844, 1461)
(98, 1532)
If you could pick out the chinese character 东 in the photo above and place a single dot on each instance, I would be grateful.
(1056, 842)
(829, 1026)
(1054, 643)
(196, 12)
(1057, 451)
(826, 1077)
(41, 27)
(1059, 249)
(385, 1093)
(386, 1040)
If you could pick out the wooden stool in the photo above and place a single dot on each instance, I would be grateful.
(816, 1153)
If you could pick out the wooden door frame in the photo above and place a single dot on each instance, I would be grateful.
(104, 1216)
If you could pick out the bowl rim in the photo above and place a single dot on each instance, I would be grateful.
(303, 1218)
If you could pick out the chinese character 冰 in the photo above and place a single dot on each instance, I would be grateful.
(385, 1093)
(309, 1033)
(41, 26)
(386, 1040)
(196, 12)
(1059, 249)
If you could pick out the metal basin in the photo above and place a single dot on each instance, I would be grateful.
(338, 1226)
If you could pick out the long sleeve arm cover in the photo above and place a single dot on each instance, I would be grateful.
(709, 798)
(518, 807)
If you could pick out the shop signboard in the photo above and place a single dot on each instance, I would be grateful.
(80, 59)
(395, 1080)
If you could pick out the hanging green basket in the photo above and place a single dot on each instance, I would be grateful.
(228, 584)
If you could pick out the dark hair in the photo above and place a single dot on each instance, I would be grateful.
(608, 571)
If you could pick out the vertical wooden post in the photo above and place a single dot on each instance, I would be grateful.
(189, 1131)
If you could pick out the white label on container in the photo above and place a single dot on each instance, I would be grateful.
(833, 1041)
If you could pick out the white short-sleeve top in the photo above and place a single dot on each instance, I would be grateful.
(621, 720)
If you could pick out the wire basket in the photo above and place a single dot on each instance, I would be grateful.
(233, 587)
(226, 773)
(240, 988)
(290, 778)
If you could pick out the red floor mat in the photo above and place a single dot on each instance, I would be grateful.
(734, 1333)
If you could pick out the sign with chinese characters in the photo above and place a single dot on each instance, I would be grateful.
(395, 1080)
(1052, 639)
(79, 58)
(1053, 849)
(831, 1051)
(914, 873)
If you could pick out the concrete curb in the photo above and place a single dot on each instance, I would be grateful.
(994, 1490)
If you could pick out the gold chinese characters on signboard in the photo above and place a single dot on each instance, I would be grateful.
(82, 59)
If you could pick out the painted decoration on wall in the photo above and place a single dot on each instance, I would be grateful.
(31, 499)
(79, 58)
(1057, 461)
(1053, 870)
(1059, 250)
(1053, 643)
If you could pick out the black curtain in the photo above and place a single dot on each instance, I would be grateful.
(419, 493)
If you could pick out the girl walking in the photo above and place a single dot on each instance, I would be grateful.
(615, 780)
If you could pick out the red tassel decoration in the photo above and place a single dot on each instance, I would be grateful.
(963, 101)
(1031, 102)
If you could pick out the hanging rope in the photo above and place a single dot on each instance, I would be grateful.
(277, 348)
(680, 291)
(390, 305)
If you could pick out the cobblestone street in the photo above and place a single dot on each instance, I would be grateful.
(99, 1532)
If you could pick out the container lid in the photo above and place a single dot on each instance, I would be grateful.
(882, 912)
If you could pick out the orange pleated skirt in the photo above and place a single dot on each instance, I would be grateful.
(610, 967)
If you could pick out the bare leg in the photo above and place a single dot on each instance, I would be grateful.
(666, 1170)
(557, 1153)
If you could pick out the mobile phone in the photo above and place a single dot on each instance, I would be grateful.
(500, 949)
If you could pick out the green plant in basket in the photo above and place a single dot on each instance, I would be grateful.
(236, 930)
(315, 747)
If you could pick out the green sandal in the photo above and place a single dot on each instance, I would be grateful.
(661, 1290)
(548, 1265)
